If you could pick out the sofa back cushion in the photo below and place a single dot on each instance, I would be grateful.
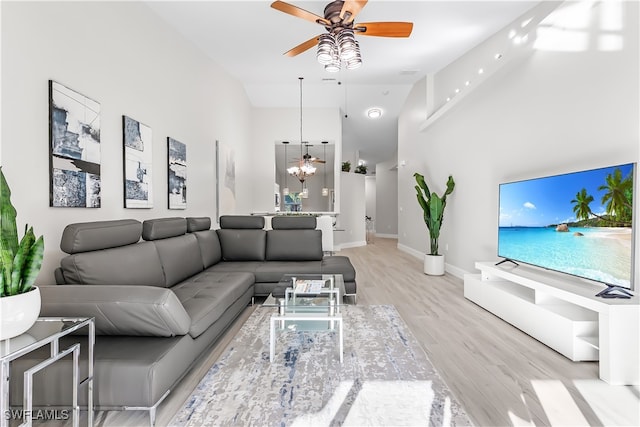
(209, 247)
(180, 257)
(294, 245)
(137, 264)
(242, 245)
(91, 236)
(242, 238)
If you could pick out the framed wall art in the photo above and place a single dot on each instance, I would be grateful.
(177, 153)
(74, 148)
(137, 151)
(226, 180)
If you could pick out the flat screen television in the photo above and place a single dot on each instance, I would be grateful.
(578, 223)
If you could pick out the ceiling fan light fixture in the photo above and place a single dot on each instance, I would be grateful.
(347, 44)
(333, 66)
(356, 61)
(327, 48)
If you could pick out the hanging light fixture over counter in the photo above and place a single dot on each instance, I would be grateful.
(305, 167)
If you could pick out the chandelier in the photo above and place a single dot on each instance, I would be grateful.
(338, 48)
(305, 167)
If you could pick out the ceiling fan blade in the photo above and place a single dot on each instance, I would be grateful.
(302, 47)
(384, 29)
(298, 12)
(350, 9)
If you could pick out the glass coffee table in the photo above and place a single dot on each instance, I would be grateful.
(306, 302)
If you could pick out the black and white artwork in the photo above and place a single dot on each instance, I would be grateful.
(74, 148)
(138, 144)
(226, 179)
(177, 174)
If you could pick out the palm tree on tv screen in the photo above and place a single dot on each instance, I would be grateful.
(617, 203)
(581, 204)
(617, 200)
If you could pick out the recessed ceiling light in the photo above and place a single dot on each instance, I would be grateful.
(374, 113)
(467, 83)
(457, 90)
(498, 56)
(480, 70)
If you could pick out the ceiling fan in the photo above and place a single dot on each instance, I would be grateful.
(338, 44)
(308, 158)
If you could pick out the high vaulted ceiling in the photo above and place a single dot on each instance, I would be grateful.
(248, 39)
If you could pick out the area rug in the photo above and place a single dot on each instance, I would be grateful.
(386, 379)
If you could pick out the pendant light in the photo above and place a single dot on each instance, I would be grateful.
(305, 168)
(325, 190)
(285, 190)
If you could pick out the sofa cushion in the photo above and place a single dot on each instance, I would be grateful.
(198, 223)
(294, 245)
(91, 236)
(162, 228)
(339, 265)
(272, 271)
(119, 310)
(297, 222)
(242, 221)
(209, 247)
(180, 257)
(137, 264)
(233, 266)
(242, 245)
(206, 296)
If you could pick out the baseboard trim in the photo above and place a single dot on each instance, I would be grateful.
(449, 268)
(351, 245)
(386, 236)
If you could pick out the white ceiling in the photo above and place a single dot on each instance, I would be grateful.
(248, 39)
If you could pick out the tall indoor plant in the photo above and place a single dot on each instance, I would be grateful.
(433, 208)
(20, 262)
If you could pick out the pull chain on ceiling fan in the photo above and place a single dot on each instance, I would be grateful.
(339, 45)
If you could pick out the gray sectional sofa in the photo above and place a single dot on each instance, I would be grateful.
(160, 303)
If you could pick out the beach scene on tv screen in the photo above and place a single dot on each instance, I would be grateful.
(578, 223)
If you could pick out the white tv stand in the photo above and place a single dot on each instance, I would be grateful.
(564, 313)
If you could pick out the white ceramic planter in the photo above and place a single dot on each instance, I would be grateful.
(434, 265)
(18, 313)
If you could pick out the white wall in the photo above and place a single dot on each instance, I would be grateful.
(370, 196)
(351, 219)
(271, 125)
(387, 199)
(124, 56)
(553, 112)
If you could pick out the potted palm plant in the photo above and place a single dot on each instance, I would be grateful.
(20, 262)
(433, 208)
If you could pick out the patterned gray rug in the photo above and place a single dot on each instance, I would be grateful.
(386, 379)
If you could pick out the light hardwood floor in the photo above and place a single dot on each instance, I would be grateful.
(501, 376)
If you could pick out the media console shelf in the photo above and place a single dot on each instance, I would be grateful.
(563, 313)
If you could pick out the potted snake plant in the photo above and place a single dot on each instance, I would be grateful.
(433, 209)
(20, 262)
